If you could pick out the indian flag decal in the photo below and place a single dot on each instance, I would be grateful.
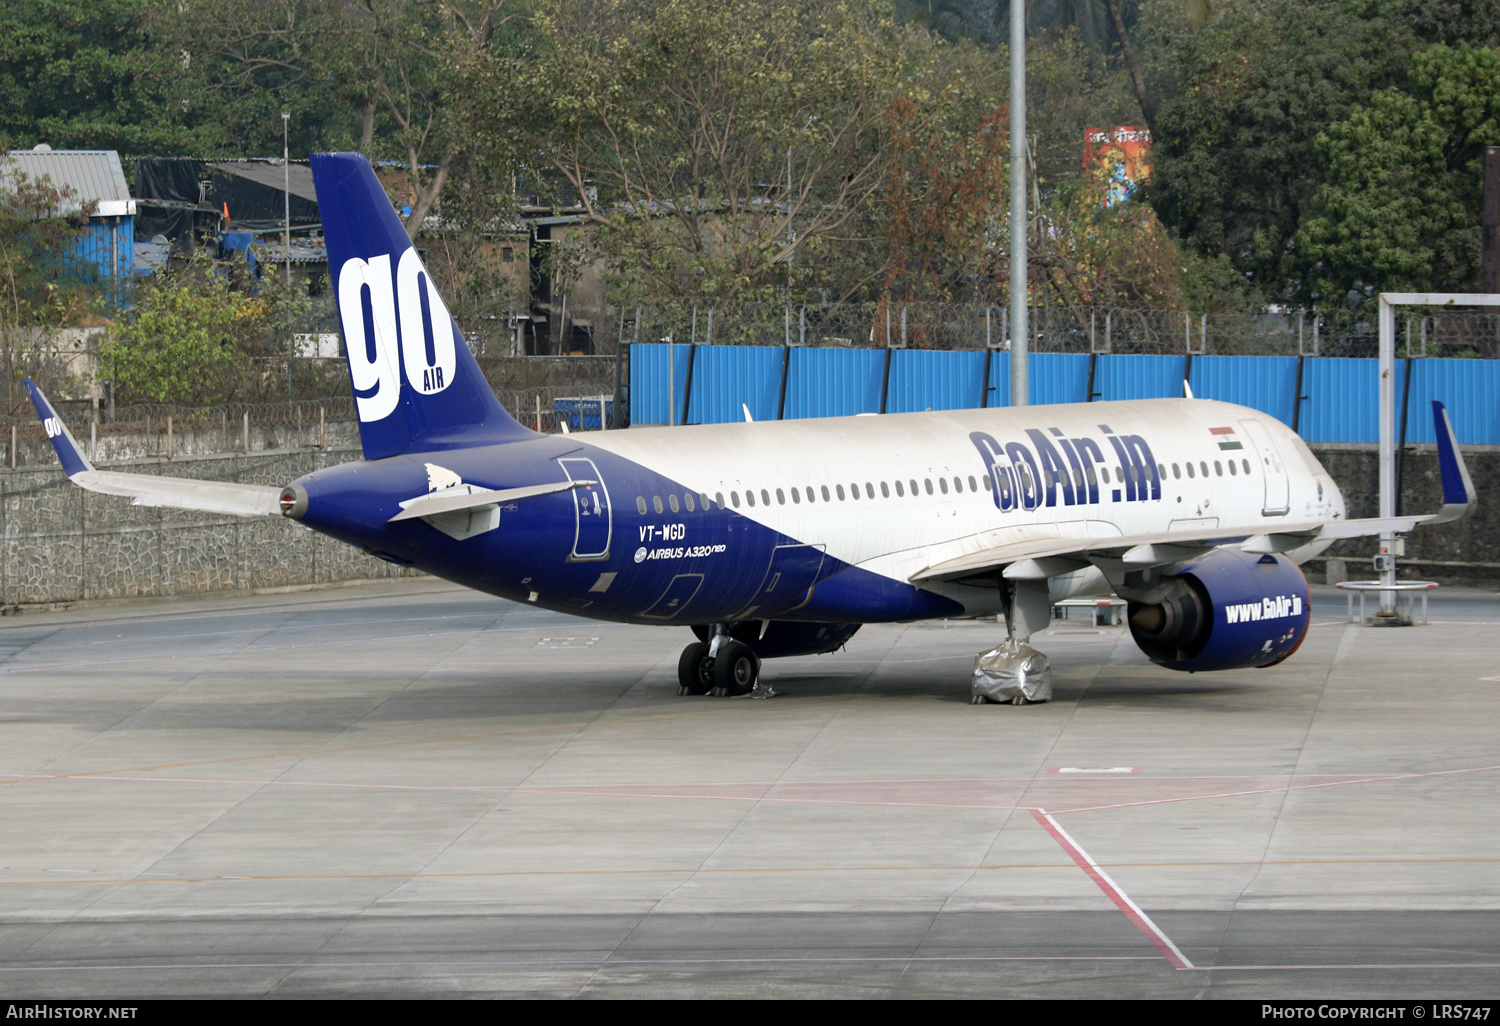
(1225, 437)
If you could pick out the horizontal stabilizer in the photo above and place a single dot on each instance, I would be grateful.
(241, 500)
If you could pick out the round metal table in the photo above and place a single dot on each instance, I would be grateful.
(1412, 589)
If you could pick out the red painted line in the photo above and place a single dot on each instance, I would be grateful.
(1112, 890)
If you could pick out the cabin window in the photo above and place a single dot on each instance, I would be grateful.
(825, 494)
(780, 497)
(1218, 469)
(840, 490)
(796, 495)
(672, 501)
(973, 487)
(854, 490)
(1089, 473)
(688, 500)
(1161, 472)
(734, 497)
(750, 497)
(958, 484)
(1104, 474)
(943, 485)
(900, 491)
(1233, 470)
(703, 500)
(928, 482)
(988, 486)
(869, 490)
(765, 497)
(640, 504)
(1246, 465)
(1190, 470)
(656, 503)
(719, 499)
(1176, 472)
(1202, 468)
(885, 490)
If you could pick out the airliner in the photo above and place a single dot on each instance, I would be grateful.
(782, 538)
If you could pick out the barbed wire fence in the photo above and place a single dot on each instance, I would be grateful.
(542, 391)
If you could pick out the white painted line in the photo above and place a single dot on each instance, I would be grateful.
(1100, 769)
(1112, 890)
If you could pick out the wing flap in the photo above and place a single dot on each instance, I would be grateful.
(1138, 550)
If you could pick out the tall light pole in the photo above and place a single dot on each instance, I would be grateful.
(1019, 331)
(286, 177)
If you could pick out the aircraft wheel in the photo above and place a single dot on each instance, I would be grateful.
(694, 672)
(736, 669)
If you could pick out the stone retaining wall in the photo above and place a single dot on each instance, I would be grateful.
(63, 544)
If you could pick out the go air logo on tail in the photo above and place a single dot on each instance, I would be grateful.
(1266, 609)
(373, 303)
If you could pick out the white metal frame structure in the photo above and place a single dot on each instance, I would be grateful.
(1388, 303)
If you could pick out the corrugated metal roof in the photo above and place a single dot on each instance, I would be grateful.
(273, 175)
(91, 175)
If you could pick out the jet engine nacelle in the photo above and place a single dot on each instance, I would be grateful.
(1224, 611)
(778, 638)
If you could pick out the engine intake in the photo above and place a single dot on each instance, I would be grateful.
(1226, 610)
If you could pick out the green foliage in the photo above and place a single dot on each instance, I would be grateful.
(1237, 162)
(1400, 207)
(1212, 284)
(84, 74)
(724, 152)
(192, 338)
(41, 281)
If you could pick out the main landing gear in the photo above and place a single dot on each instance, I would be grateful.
(720, 666)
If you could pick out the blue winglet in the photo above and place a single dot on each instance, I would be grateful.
(1458, 488)
(68, 453)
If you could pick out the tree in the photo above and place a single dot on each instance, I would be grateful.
(367, 74)
(1235, 146)
(205, 333)
(82, 74)
(1399, 209)
(42, 283)
(720, 153)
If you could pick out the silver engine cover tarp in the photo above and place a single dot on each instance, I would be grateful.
(1014, 668)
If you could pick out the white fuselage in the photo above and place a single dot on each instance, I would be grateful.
(924, 495)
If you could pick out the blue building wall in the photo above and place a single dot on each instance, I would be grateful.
(1338, 403)
(107, 255)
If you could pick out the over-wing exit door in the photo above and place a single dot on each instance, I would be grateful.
(595, 520)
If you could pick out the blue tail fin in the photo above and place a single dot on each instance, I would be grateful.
(416, 385)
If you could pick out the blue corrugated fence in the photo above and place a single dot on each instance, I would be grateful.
(1338, 401)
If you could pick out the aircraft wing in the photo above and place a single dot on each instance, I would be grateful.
(1040, 559)
(149, 489)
